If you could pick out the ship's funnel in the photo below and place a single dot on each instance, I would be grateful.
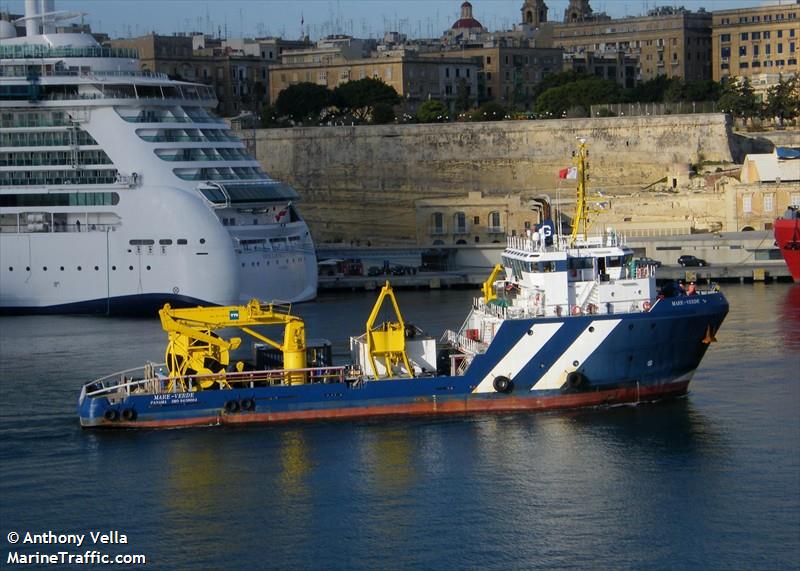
(31, 17)
(48, 22)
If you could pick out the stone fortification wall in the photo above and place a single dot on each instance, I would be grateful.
(362, 182)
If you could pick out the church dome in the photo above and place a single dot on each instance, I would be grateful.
(466, 20)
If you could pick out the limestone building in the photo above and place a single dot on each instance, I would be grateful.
(477, 218)
(748, 42)
(768, 185)
(509, 74)
(413, 77)
(668, 41)
(237, 69)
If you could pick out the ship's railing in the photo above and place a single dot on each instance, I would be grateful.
(463, 343)
(535, 243)
(41, 51)
(150, 379)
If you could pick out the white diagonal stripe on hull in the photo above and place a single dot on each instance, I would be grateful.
(580, 350)
(520, 355)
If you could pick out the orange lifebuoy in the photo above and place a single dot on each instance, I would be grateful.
(647, 305)
(576, 310)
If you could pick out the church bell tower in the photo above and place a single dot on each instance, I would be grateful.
(578, 11)
(534, 13)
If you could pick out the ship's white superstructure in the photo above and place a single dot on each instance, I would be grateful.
(119, 189)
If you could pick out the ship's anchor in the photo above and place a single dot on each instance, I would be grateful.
(709, 338)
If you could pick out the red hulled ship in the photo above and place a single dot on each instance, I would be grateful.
(787, 238)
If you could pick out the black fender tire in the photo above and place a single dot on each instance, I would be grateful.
(129, 414)
(111, 415)
(502, 384)
(232, 406)
(576, 380)
(247, 404)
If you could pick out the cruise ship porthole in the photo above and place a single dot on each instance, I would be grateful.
(79, 268)
(44, 268)
(130, 268)
(61, 268)
(114, 268)
(96, 268)
(202, 240)
(27, 268)
(10, 268)
(148, 268)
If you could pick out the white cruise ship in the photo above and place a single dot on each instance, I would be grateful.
(120, 190)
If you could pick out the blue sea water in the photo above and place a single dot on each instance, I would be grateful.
(710, 481)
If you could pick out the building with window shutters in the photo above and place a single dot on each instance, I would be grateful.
(748, 42)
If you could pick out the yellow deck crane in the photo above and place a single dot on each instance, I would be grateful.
(489, 293)
(195, 349)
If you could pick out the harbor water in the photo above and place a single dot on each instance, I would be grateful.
(711, 480)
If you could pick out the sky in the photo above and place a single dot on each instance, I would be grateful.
(360, 18)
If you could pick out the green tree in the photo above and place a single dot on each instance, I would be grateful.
(783, 100)
(489, 111)
(382, 114)
(577, 97)
(432, 111)
(557, 80)
(463, 100)
(675, 91)
(269, 117)
(303, 102)
(651, 91)
(360, 97)
(739, 99)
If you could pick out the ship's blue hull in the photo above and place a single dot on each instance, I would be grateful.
(563, 362)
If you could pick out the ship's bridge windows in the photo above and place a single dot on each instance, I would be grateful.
(241, 193)
(141, 242)
(618, 261)
(580, 263)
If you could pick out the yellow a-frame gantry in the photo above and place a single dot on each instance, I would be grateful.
(387, 340)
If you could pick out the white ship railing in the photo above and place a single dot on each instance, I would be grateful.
(462, 343)
(152, 380)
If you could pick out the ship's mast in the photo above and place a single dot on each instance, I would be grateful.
(582, 207)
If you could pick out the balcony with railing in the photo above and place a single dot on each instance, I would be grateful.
(28, 51)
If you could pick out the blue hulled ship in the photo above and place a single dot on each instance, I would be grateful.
(564, 321)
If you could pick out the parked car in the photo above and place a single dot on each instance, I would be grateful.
(648, 262)
(691, 261)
